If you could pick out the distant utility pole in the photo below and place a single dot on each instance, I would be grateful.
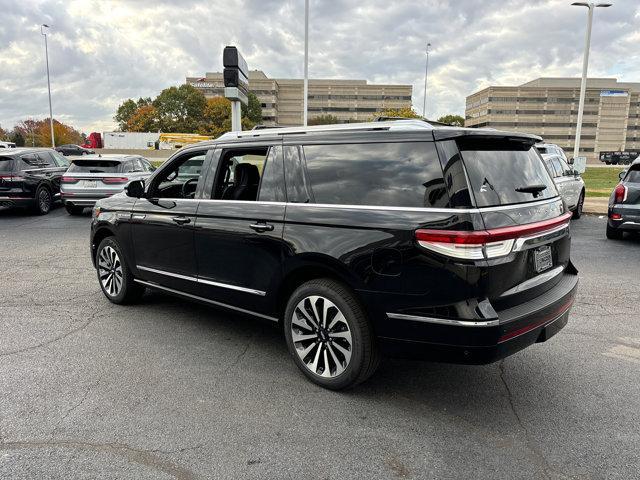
(46, 55)
(585, 64)
(426, 75)
(306, 62)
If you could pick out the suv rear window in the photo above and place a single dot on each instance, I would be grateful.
(633, 176)
(95, 166)
(6, 164)
(378, 174)
(499, 171)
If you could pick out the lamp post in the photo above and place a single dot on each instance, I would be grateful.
(585, 63)
(46, 54)
(306, 63)
(426, 75)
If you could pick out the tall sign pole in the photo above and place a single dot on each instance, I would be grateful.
(306, 63)
(236, 84)
(426, 76)
(46, 55)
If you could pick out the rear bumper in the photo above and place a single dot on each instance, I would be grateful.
(10, 201)
(488, 341)
(83, 200)
(629, 217)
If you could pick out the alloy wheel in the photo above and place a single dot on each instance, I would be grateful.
(321, 336)
(44, 200)
(110, 271)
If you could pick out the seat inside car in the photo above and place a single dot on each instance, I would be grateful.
(245, 187)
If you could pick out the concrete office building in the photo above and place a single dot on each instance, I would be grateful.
(282, 99)
(549, 107)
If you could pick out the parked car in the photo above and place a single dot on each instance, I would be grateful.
(93, 177)
(568, 181)
(552, 149)
(30, 177)
(395, 238)
(74, 150)
(7, 145)
(624, 204)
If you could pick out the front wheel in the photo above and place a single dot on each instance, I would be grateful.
(577, 213)
(329, 335)
(114, 275)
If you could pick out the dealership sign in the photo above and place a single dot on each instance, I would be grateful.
(613, 93)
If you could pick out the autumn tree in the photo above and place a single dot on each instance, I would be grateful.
(126, 110)
(326, 119)
(454, 120)
(406, 112)
(143, 119)
(4, 135)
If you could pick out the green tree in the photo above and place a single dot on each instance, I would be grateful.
(127, 108)
(180, 109)
(3, 134)
(454, 120)
(327, 119)
(406, 112)
(253, 110)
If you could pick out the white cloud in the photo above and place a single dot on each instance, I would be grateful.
(102, 52)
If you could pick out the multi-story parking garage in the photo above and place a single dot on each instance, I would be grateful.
(549, 107)
(282, 99)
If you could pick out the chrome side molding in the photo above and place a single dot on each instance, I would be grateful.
(444, 321)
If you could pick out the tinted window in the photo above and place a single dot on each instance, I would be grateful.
(30, 161)
(295, 179)
(95, 166)
(566, 169)
(46, 160)
(383, 174)
(272, 183)
(454, 177)
(6, 164)
(498, 169)
(633, 176)
(59, 159)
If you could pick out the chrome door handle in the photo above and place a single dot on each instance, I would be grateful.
(181, 220)
(261, 227)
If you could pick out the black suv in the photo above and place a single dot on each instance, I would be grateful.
(30, 177)
(394, 238)
(71, 149)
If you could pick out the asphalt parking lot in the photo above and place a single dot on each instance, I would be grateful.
(169, 389)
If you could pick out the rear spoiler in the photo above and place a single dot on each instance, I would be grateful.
(478, 133)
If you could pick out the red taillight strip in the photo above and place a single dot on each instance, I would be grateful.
(109, 180)
(492, 235)
(620, 193)
(69, 180)
(557, 313)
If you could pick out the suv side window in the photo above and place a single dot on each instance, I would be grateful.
(406, 174)
(59, 159)
(171, 182)
(239, 174)
(46, 160)
(272, 182)
(557, 168)
(29, 161)
(566, 169)
(295, 178)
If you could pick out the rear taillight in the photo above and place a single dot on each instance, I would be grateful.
(615, 216)
(115, 180)
(484, 244)
(68, 180)
(620, 193)
(11, 178)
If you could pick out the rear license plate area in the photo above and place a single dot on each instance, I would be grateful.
(542, 258)
(90, 183)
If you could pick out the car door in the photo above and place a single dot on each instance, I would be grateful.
(239, 228)
(571, 183)
(163, 224)
(51, 172)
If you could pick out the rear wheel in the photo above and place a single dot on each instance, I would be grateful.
(43, 201)
(73, 209)
(577, 213)
(114, 275)
(329, 335)
(614, 233)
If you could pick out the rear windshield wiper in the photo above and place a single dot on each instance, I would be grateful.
(531, 188)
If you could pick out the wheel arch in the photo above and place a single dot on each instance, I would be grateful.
(100, 234)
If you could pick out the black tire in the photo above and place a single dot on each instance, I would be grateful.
(614, 233)
(607, 163)
(43, 201)
(364, 357)
(127, 291)
(73, 209)
(577, 213)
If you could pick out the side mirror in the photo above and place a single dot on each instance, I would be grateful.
(622, 174)
(135, 189)
(571, 161)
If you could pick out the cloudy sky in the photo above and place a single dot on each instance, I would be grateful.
(102, 52)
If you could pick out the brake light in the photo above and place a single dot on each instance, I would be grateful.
(68, 180)
(115, 180)
(615, 216)
(620, 193)
(484, 244)
(11, 178)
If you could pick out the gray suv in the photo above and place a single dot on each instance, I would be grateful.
(568, 181)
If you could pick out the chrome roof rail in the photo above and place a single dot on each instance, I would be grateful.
(395, 125)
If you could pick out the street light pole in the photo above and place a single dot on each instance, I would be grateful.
(426, 75)
(306, 62)
(585, 64)
(46, 54)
